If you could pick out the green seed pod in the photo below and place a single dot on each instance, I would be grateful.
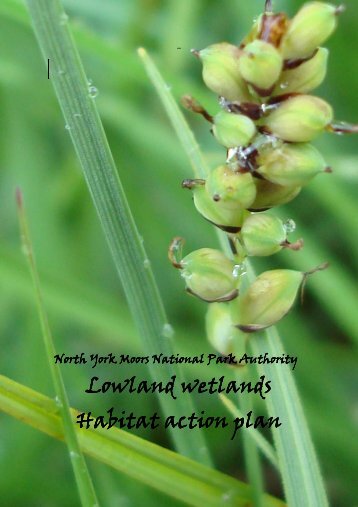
(229, 218)
(311, 26)
(299, 119)
(221, 72)
(268, 299)
(260, 65)
(306, 77)
(263, 235)
(233, 130)
(221, 331)
(270, 194)
(232, 189)
(291, 164)
(208, 273)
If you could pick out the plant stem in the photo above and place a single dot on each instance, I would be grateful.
(299, 468)
(82, 476)
(76, 99)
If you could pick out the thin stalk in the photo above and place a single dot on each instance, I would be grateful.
(299, 467)
(83, 479)
(76, 99)
(261, 442)
(176, 117)
(252, 459)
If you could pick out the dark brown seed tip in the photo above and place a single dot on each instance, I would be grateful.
(297, 245)
(187, 101)
(340, 9)
(229, 297)
(190, 184)
(321, 267)
(328, 170)
(268, 6)
(250, 328)
(195, 52)
(174, 249)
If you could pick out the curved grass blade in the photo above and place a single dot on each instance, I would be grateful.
(168, 472)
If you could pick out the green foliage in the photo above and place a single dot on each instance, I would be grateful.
(86, 303)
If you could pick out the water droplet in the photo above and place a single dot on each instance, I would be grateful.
(77, 115)
(92, 92)
(58, 402)
(284, 85)
(63, 19)
(227, 498)
(289, 226)
(61, 72)
(239, 270)
(223, 103)
(146, 263)
(168, 87)
(67, 126)
(167, 331)
(74, 455)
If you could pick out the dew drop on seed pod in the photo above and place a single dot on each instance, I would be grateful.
(61, 72)
(223, 103)
(146, 263)
(269, 107)
(239, 270)
(289, 226)
(92, 92)
(74, 455)
(167, 331)
(77, 115)
(67, 126)
(283, 86)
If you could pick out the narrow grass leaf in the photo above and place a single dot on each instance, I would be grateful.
(82, 476)
(76, 96)
(262, 443)
(176, 117)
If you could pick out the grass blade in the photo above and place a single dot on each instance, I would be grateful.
(261, 442)
(164, 470)
(82, 476)
(76, 98)
(176, 117)
(299, 468)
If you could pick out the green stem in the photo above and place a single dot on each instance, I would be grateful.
(299, 468)
(82, 476)
(261, 442)
(76, 98)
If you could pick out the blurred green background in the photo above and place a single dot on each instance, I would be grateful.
(87, 308)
